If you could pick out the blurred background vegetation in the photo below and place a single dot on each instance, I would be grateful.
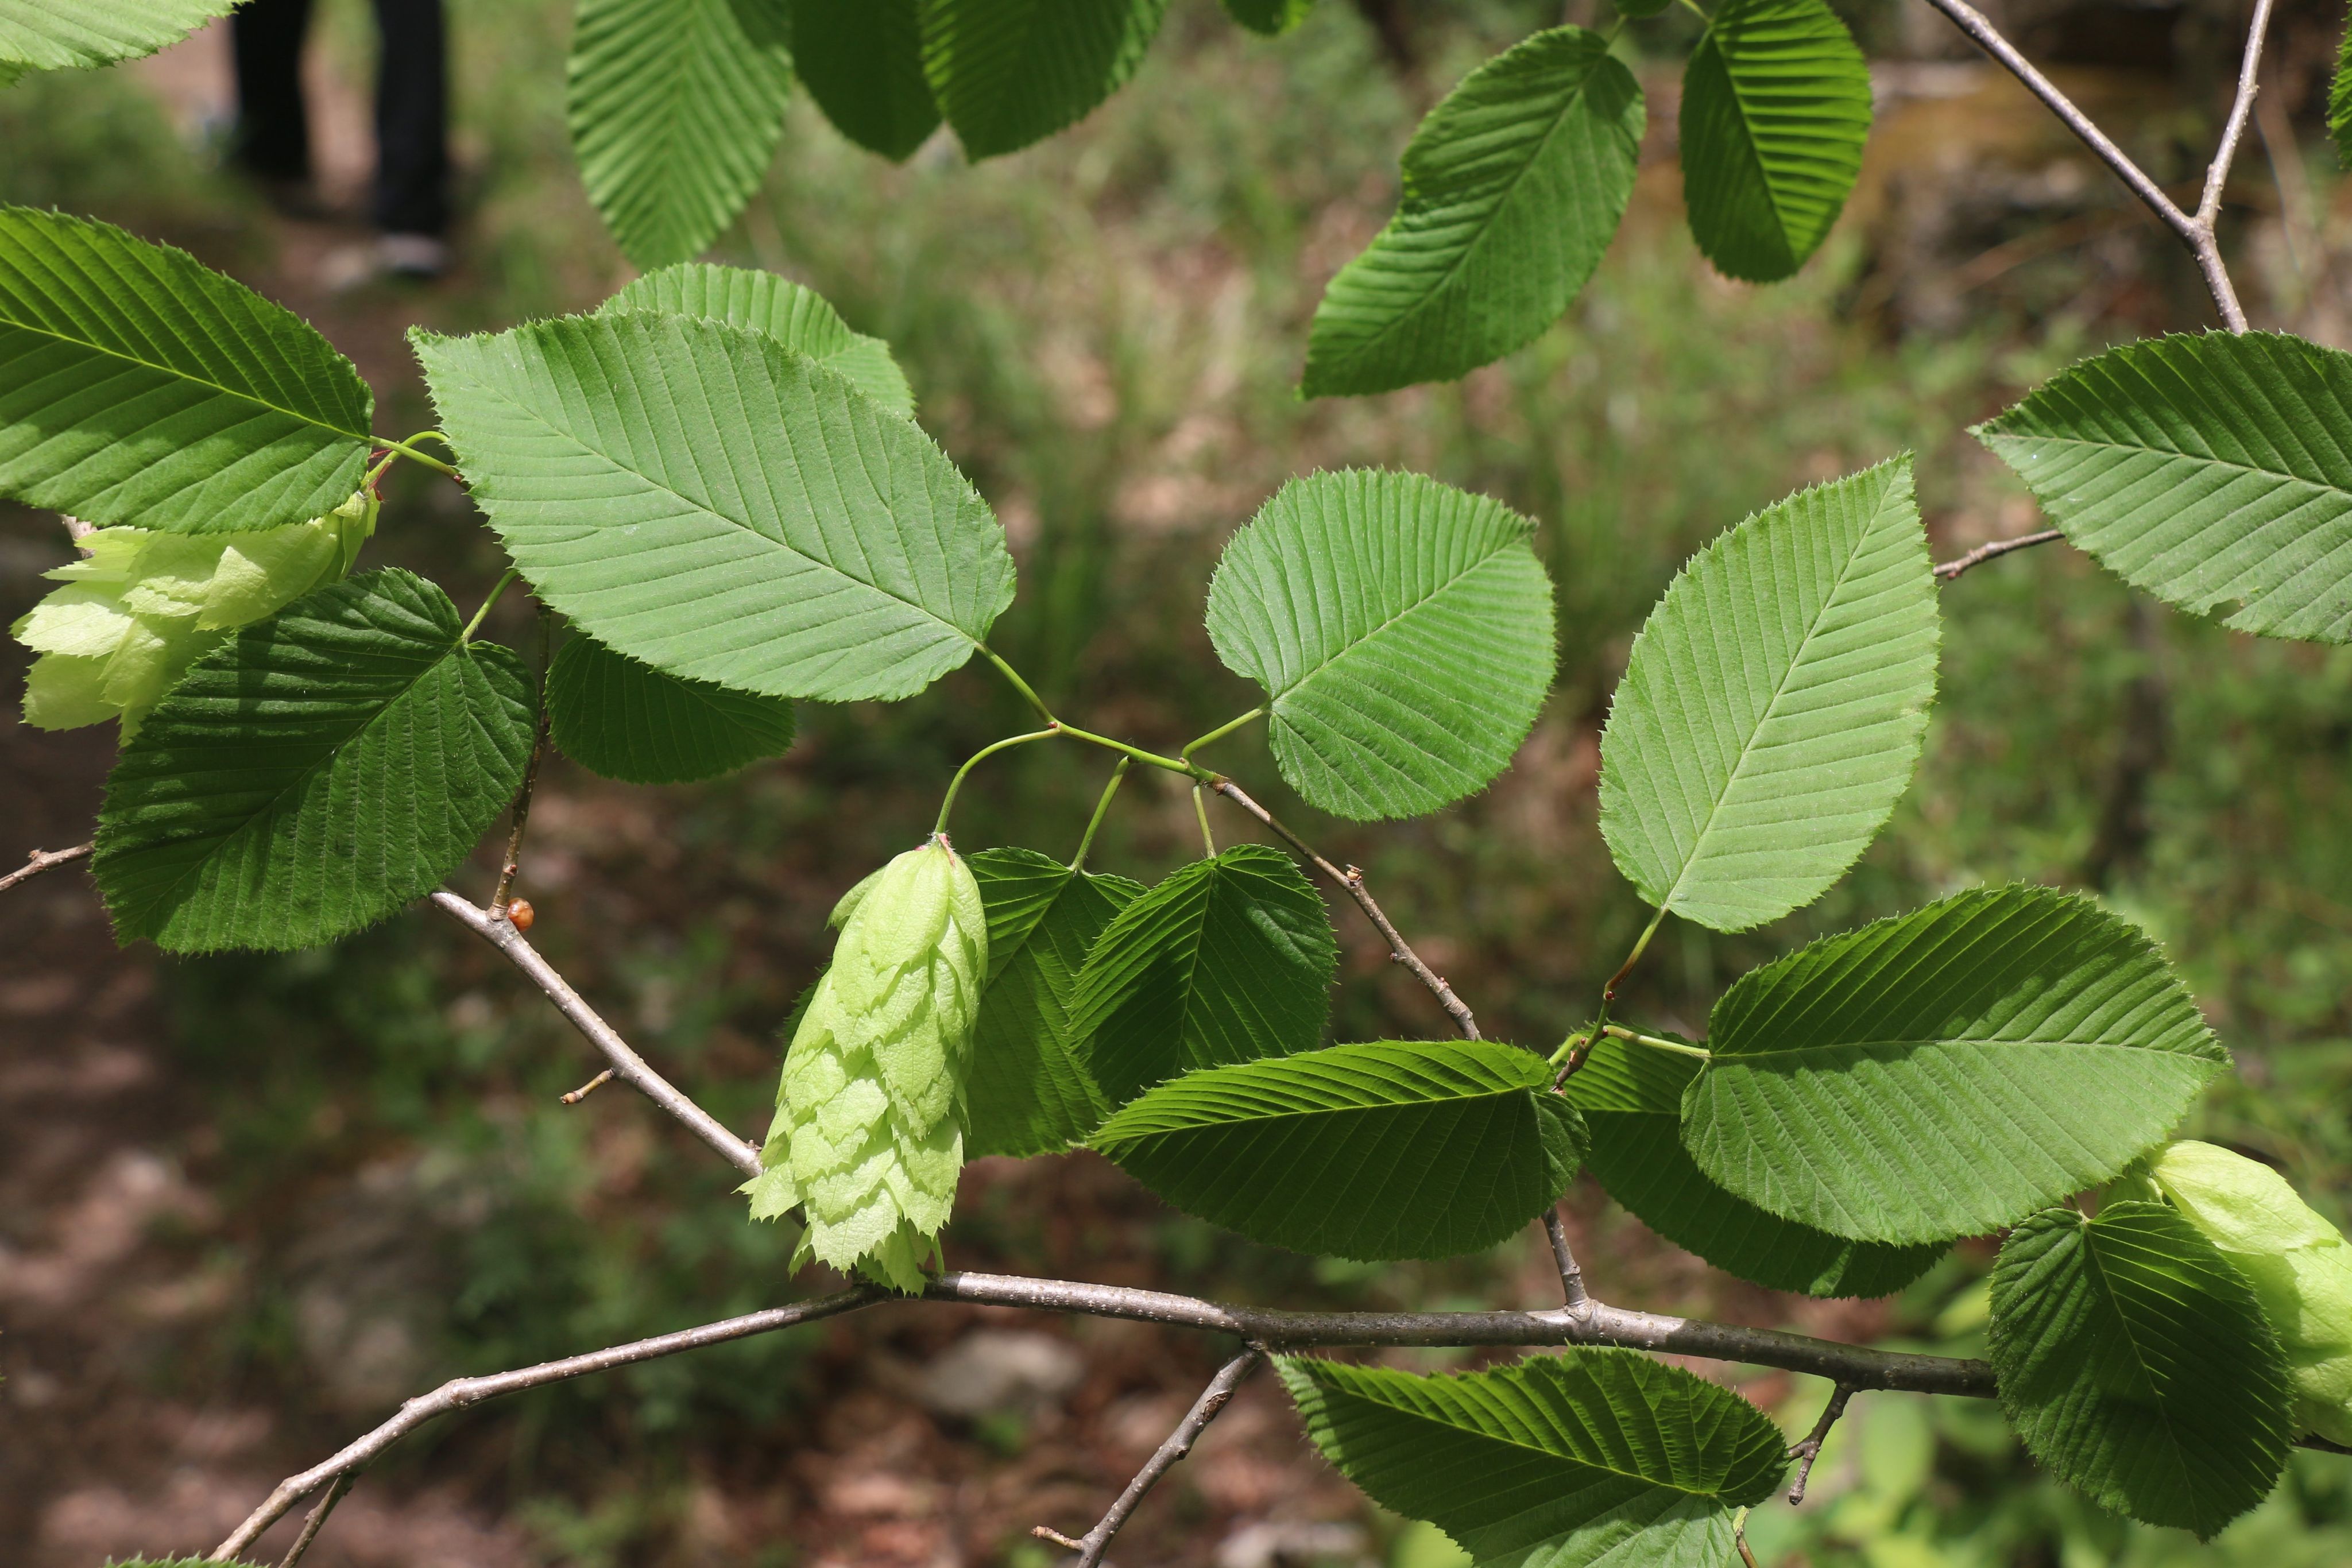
(339, 1177)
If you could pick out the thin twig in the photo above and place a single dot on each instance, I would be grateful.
(1352, 881)
(1975, 24)
(2196, 229)
(500, 933)
(513, 862)
(1091, 1546)
(1949, 569)
(1572, 1276)
(1807, 1451)
(44, 860)
(585, 1090)
(310, 1526)
(2250, 65)
(459, 1393)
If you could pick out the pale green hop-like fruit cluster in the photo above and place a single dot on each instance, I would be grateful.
(868, 1135)
(143, 606)
(2298, 1264)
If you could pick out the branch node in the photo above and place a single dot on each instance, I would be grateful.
(1047, 1532)
(1810, 1449)
(585, 1090)
(41, 860)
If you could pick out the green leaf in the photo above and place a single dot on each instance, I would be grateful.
(2208, 470)
(59, 34)
(139, 386)
(1009, 72)
(1631, 1099)
(629, 721)
(677, 107)
(1228, 959)
(1369, 1152)
(701, 499)
(1588, 1458)
(1773, 708)
(2135, 1363)
(1513, 187)
(1943, 1072)
(864, 66)
(1029, 1094)
(1401, 629)
(1776, 107)
(798, 318)
(1271, 17)
(330, 765)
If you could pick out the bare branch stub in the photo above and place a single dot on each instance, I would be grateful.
(574, 1096)
(1810, 1449)
(1571, 1275)
(1351, 882)
(1091, 1546)
(41, 860)
(1947, 571)
(627, 1064)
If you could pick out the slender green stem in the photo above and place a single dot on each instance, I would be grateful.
(1028, 692)
(432, 435)
(1578, 1050)
(957, 782)
(1102, 809)
(1617, 1031)
(1201, 811)
(403, 449)
(1222, 731)
(1699, 11)
(1152, 758)
(475, 624)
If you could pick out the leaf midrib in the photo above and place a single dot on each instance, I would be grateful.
(1304, 1113)
(2328, 486)
(703, 508)
(13, 324)
(2098, 1269)
(1517, 1446)
(1487, 225)
(1800, 1052)
(272, 805)
(1748, 747)
(1356, 646)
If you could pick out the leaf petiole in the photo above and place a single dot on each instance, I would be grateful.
(956, 783)
(405, 449)
(1632, 1037)
(1028, 692)
(1222, 731)
(1174, 765)
(1102, 809)
(476, 624)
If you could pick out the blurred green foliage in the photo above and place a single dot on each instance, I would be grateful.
(1104, 332)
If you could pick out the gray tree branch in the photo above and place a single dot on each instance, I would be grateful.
(1351, 882)
(500, 933)
(2196, 229)
(459, 1393)
(43, 859)
(1091, 1546)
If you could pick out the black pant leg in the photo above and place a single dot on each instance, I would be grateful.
(412, 119)
(273, 134)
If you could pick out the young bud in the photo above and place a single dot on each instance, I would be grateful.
(868, 1133)
(2298, 1264)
